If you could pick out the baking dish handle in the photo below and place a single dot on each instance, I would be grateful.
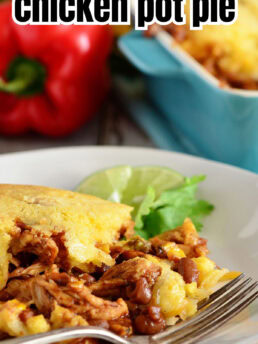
(149, 118)
(148, 55)
(155, 125)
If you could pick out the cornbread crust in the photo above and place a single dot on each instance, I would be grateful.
(89, 224)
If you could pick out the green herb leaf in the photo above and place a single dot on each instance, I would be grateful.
(171, 208)
(181, 194)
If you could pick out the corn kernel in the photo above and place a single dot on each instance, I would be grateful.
(169, 293)
(37, 324)
(173, 250)
(229, 276)
(9, 318)
(196, 293)
(189, 309)
(204, 265)
(212, 278)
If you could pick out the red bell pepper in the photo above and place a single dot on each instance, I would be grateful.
(52, 78)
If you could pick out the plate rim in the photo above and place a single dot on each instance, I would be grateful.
(132, 148)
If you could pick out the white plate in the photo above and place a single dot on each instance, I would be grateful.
(232, 229)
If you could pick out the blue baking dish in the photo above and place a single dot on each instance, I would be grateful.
(217, 123)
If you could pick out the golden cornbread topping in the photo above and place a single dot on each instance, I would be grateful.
(63, 264)
(38, 216)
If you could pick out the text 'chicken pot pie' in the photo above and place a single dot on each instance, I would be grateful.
(69, 259)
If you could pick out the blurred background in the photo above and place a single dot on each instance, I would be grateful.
(194, 92)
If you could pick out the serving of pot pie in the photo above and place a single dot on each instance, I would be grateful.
(69, 259)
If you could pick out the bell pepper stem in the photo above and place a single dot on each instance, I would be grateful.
(15, 86)
(24, 77)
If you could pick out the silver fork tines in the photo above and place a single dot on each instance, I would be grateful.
(201, 331)
(227, 287)
(216, 296)
(221, 306)
(216, 314)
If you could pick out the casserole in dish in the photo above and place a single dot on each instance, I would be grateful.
(210, 119)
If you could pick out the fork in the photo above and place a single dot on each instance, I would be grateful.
(221, 306)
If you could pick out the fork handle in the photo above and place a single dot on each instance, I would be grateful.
(69, 333)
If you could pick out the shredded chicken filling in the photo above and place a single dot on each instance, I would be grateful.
(119, 298)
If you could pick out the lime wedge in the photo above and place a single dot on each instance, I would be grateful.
(129, 185)
(107, 184)
(159, 178)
